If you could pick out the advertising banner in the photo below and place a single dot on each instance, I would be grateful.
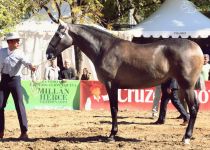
(49, 94)
(93, 95)
(88, 95)
(204, 97)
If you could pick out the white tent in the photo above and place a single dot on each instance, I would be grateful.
(175, 18)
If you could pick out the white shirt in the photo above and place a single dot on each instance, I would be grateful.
(52, 73)
(88, 101)
(11, 61)
(205, 72)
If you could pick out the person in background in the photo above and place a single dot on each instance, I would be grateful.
(68, 72)
(85, 74)
(156, 100)
(206, 68)
(52, 71)
(170, 91)
(11, 61)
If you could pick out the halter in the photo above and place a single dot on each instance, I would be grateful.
(60, 35)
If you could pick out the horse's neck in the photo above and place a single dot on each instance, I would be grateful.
(87, 41)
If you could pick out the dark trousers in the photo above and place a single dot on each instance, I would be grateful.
(173, 96)
(12, 85)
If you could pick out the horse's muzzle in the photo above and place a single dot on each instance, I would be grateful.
(50, 56)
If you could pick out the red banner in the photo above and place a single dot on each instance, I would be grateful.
(93, 95)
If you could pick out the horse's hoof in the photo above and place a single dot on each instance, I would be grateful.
(186, 141)
(111, 138)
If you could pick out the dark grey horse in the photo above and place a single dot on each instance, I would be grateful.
(123, 64)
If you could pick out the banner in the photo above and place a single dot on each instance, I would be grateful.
(49, 94)
(204, 97)
(93, 95)
(90, 95)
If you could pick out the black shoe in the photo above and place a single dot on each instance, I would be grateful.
(1, 135)
(23, 136)
(158, 122)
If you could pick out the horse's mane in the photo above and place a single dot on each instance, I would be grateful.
(96, 31)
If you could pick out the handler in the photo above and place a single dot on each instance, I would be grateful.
(11, 60)
(170, 91)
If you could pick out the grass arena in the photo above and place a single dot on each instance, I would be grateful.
(76, 129)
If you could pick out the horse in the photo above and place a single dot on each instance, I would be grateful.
(123, 64)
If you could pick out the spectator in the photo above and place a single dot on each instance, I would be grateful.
(52, 71)
(85, 74)
(206, 68)
(68, 73)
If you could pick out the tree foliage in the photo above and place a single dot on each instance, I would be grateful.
(104, 12)
(11, 12)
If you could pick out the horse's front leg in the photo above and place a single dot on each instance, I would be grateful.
(193, 105)
(112, 90)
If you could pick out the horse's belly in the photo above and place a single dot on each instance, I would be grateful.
(138, 81)
(133, 77)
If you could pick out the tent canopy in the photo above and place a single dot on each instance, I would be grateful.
(175, 18)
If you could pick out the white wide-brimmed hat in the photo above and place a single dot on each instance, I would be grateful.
(12, 36)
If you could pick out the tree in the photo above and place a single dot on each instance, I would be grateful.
(104, 12)
(11, 12)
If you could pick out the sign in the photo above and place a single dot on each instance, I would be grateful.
(204, 97)
(131, 99)
(93, 96)
(49, 94)
(90, 95)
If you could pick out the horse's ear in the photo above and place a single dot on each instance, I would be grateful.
(62, 23)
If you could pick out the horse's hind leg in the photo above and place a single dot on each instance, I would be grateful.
(112, 90)
(193, 106)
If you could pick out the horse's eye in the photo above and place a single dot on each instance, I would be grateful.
(61, 36)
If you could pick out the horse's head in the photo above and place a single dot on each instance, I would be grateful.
(59, 42)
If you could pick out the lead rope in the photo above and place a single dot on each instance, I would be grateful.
(34, 74)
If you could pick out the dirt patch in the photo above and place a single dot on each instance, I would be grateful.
(65, 130)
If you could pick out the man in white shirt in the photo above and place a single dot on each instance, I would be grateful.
(11, 60)
(52, 71)
(206, 68)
